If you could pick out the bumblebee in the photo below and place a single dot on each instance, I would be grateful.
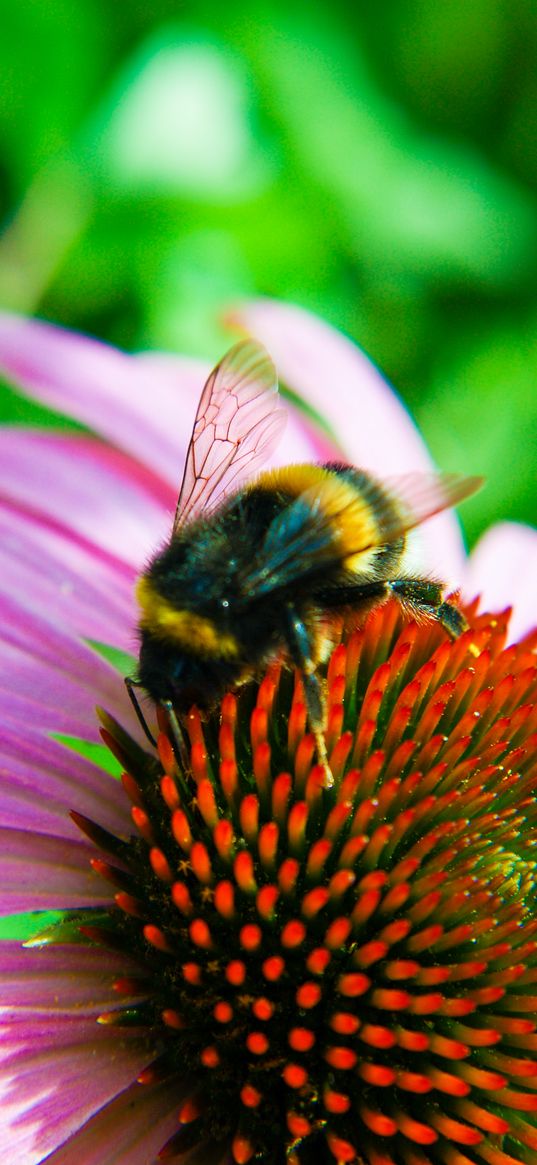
(264, 570)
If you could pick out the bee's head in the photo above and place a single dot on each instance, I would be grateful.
(188, 596)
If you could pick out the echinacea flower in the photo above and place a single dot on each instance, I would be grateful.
(250, 965)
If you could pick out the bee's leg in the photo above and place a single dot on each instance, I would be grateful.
(298, 642)
(422, 595)
(177, 734)
(130, 685)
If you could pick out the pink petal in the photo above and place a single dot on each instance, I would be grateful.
(371, 425)
(61, 1071)
(144, 404)
(49, 679)
(80, 484)
(41, 780)
(148, 415)
(60, 979)
(17, 711)
(47, 873)
(128, 1131)
(503, 570)
(52, 573)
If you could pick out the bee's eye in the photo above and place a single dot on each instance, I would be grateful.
(224, 602)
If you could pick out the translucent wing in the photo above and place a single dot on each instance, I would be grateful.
(305, 538)
(238, 424)
(414, 497)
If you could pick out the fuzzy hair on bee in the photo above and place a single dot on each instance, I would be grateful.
(261, 569)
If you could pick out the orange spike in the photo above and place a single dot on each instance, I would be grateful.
(263, 1008)
(223, 1012)
(201, 863)
(173, 1019)
(160, 865)
(377, 1074)
(250, 936)
(143, 824)
(295, 1075)
(181, 830)
(249, 817)
(415, 1130)
(198, 760)
(377, 1036)
(224, 899)
(257, 1043)
(308, 995)
(243, 870)
(314, 901)
(192, 973)
(296, 826)
(190, 1110)
(281, 791)
(287, 875)
(382, 1125)
(336, 1102)
(235, 972)
(250, 1096)
(337, 933)
(317, 857)
(224, 839)
(266, 902)
(345, 1023)
(157, 938)
(229, 778)
(318, 960)
(301, 1039)
(298, 1125)
(353, 984)
(258, 727)
(200, 934)
(273, 968)
(268, 844)
(181, 898)
(170, 793)
(129, 904)
(293, 934)
(207, 802)
(132, 789)
(303, 761)
(242, 1149)
(210, 1057)
(343, 1151)
(341, 1058)
(167, 760)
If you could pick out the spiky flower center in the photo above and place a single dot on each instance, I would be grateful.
(342, 974)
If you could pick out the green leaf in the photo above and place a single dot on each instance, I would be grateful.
(21, 927)
(124, 663)
(97, 753)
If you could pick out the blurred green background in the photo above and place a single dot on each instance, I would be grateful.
(375, 163)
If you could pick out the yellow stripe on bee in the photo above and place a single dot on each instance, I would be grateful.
(195, 633)
(350, 513)
(292, 479)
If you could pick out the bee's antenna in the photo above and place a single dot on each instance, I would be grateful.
(130, 685)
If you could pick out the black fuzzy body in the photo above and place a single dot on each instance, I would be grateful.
(266, 569)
